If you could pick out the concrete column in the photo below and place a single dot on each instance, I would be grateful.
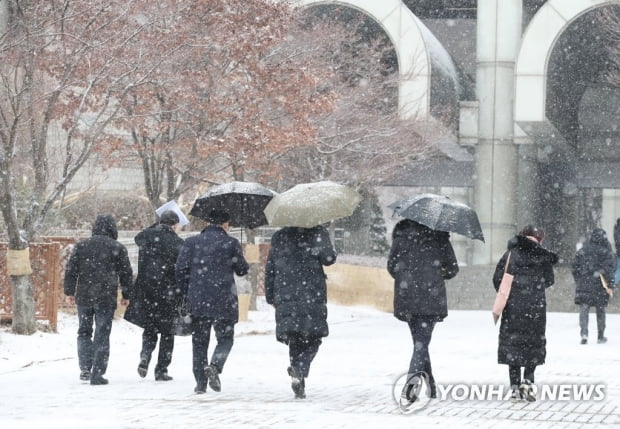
(527, 180)
(498, 39)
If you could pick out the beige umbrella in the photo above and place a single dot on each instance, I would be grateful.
(311, 204)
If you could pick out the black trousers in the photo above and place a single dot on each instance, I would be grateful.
(421, 333)
(166, 346)
(302, 351)
(584, 313)
(94, 351)
(514, 372)
(201, 336)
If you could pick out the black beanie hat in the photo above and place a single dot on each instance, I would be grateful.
(218, 217)
(169, 217)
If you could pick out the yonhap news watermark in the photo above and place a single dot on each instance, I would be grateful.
(413, 393)
(543, 392)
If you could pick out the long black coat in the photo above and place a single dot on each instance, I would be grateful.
(205, 272)
(295, 281)
(594, 258)
(155, 298)
(420, 261)
(97, 265)
(522, 340)
(617, 235)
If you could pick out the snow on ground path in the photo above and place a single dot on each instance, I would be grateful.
(350, 383)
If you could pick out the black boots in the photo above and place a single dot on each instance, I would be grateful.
(213, 380)
(411, 389)
(98, 380)
(143, 367)
(162, 376)
(212, 374)
(298, 383)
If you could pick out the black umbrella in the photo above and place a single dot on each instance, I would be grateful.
(244, 201)
(440, 213)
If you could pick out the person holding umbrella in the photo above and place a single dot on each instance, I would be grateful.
(204, 273)
(522, 342)
(295, 285)
(420, 261)
(294, 278)
(593, 270)
(156, 299)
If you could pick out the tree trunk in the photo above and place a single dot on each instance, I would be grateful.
(19, 270)
(24, 321)
(253, 277)
(253, 273)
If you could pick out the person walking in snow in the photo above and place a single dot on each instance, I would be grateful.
(420, 261)
(295, 285)
(522, 341)
(204, 273)
(92, 276)
(594, 266)
(156, 298)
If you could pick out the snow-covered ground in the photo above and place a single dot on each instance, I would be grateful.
(350, 383)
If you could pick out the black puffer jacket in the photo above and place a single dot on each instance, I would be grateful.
(96, 267)
(420, 261)
(593, 259)
(156, 297)
(522, 340)
(295, 281)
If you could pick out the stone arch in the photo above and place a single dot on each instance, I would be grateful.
(408, 35)
(536, 47)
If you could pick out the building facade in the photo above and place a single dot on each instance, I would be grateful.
(540, 136)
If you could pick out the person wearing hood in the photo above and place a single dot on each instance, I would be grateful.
(156, 298)
(420, 261)
(204, 272)
(522, 341)
(92, 275)
(594, 266)
(295, 285)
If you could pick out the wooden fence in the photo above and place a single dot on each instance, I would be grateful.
(47, 259)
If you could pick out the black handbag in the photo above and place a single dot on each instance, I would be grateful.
(135, 312)
(182, 324)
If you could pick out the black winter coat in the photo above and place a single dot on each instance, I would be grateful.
(617, 235)
(96, 266)
(155, 298)
(594, 258)
(522, 340)
(205, 272)
(295, 281)
(420, 261)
